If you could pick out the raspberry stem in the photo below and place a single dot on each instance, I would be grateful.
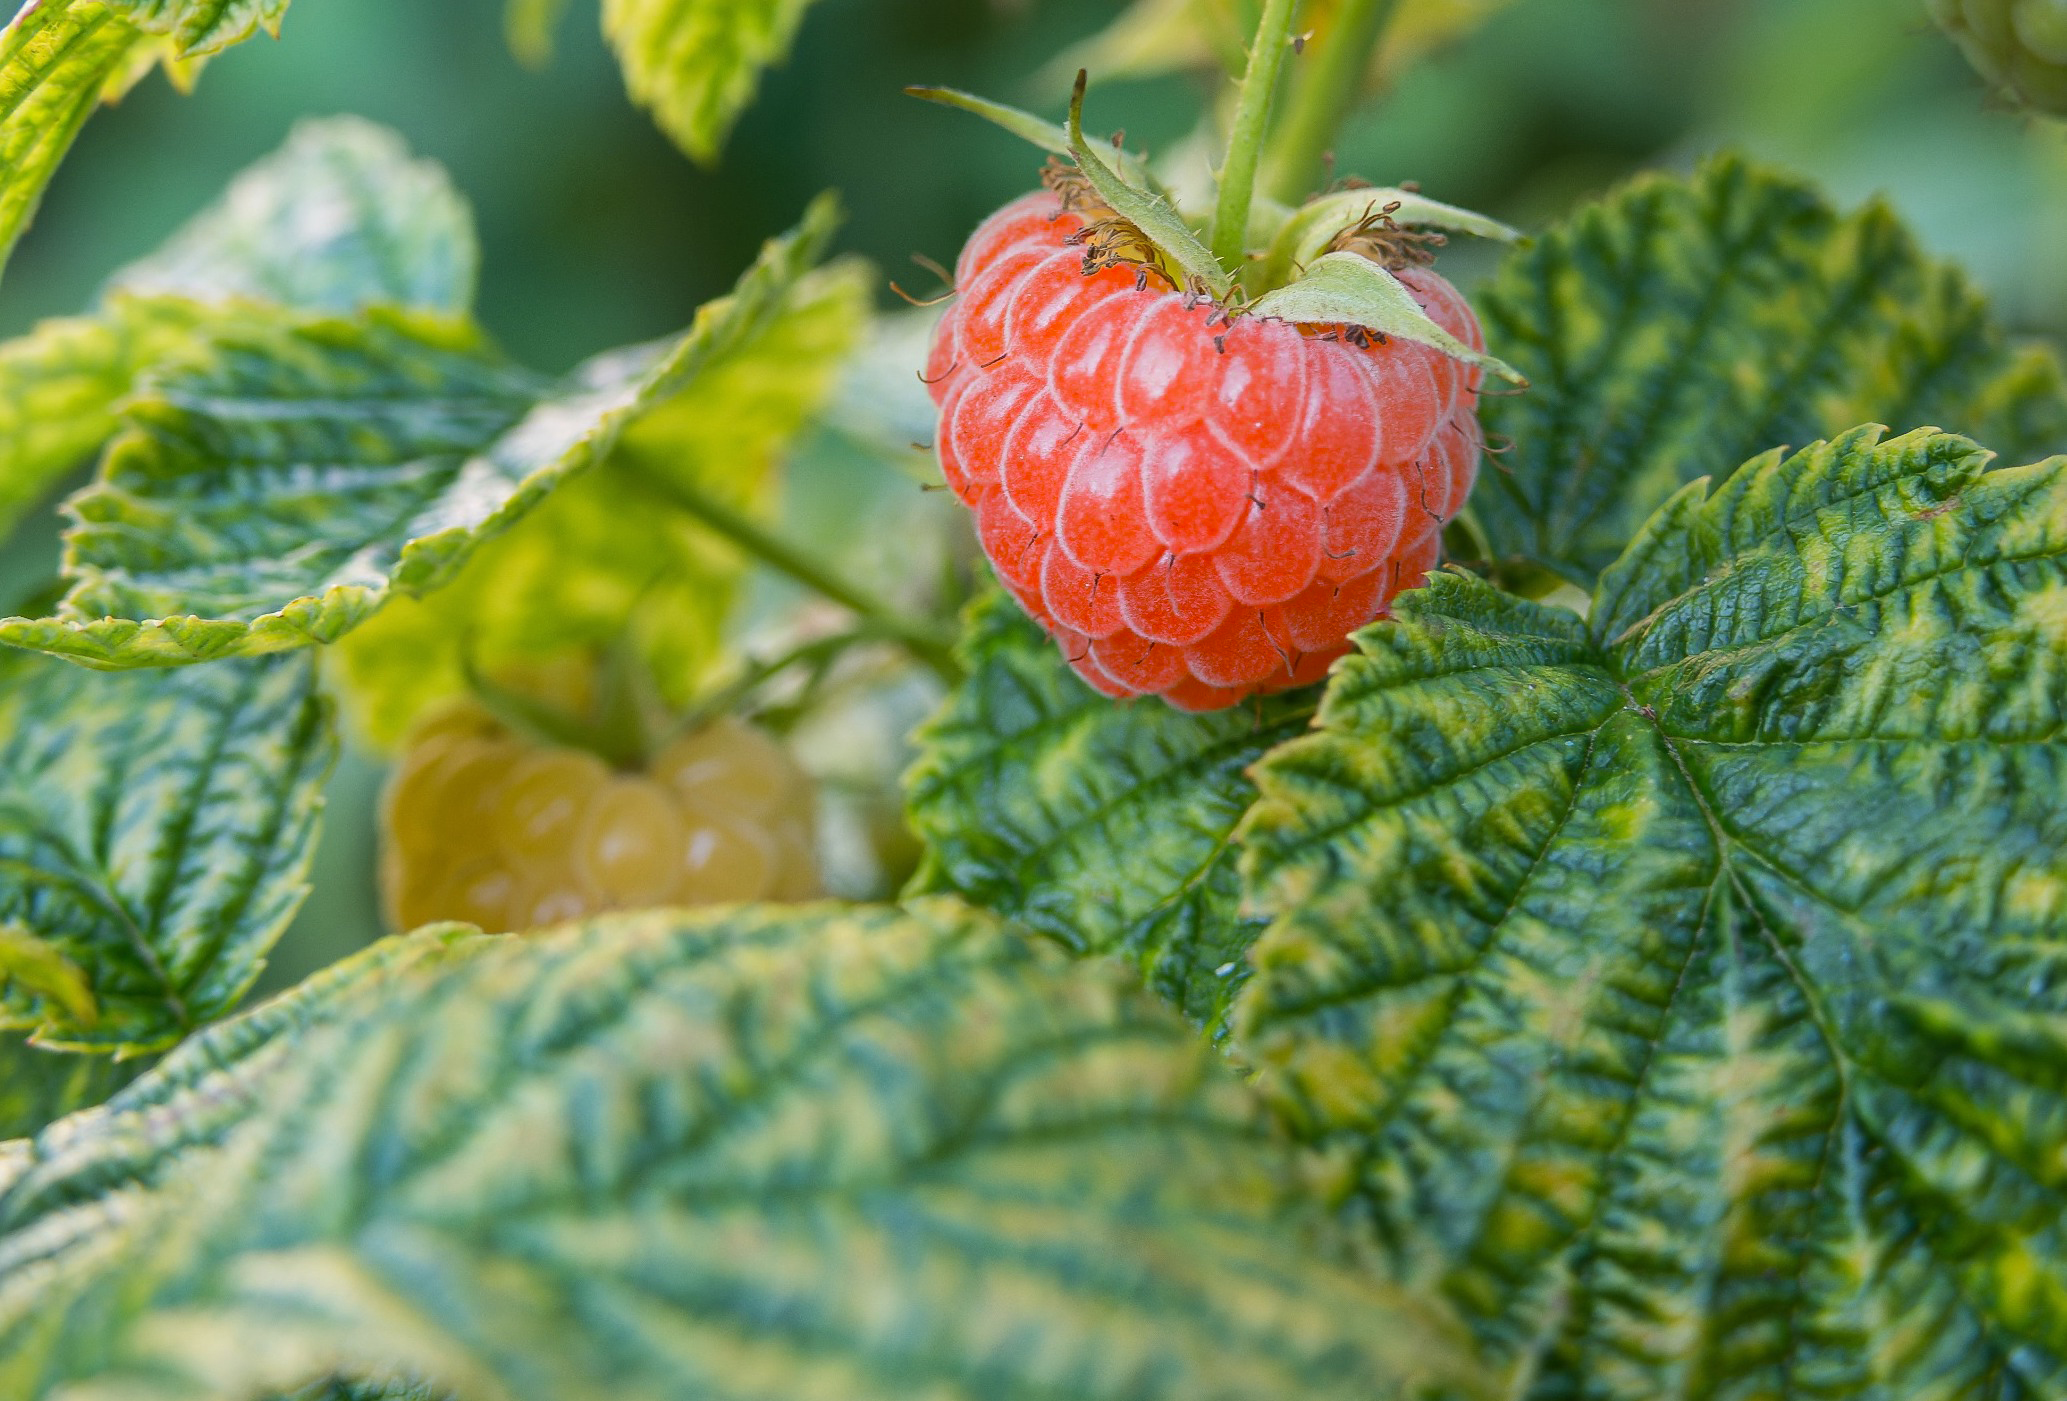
(916, 636)
(1229, 234)
(1323, 96)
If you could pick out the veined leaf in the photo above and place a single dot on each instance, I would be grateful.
(695, 64)
(1105, 827)
(340, 217)
(59, 386)
(154, 833)
(824, 1151)
(310, 469)
(38, 1085)
(1683, 987)
(1683, 325)
(605, 558)
(57, 58)
(198, 28)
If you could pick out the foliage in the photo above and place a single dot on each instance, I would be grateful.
(1680, 984)
(1682, 326)
(1106, 827)
(871, 1152)
(154, 834)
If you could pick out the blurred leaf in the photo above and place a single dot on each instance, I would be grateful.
(154, 833)
(59, 386)
(339, 218)
(1683, 324)
(1683, 988)
(822, 1151)
(308, 469)
(528, 26)
(198, 28)
(34, 970)
(606, 559)
(57, 57)
(1105, 827)
(1420, 28)
(695, 64)
(39, 1085)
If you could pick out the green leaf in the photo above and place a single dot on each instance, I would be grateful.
(695, 64)
(59, 386)
(1350, 289)
(605, 560)
(155, 832)
(34, 969)
(1105, 827)
(39, 1085)
(57, 58)
(308, 470)
(1682, 989)
(198, 28)
(824, 1151)
(1685, 324)
(340, 217)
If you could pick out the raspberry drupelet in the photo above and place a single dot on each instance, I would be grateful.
(1195, 507)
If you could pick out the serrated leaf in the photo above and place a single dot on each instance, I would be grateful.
(198, 28)
(1349, 289)
(307, 470)
(340, 217)
(56, 59)
(1684, 986)
(1683, 325)
(695, 64)
(39, 1085)
(825, 1151)
(606, 559)
(1105, 827)
(155, 831)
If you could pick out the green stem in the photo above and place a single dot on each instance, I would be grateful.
(917, 637)
(1229, 236)
(1324, 95)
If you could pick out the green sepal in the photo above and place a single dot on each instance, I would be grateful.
(1299, 236)
(1350, 289)
(1144, 209)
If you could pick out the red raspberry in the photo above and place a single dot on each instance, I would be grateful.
(1193, 508)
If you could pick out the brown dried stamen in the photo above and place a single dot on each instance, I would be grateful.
(1108, 240)
(1389, 244)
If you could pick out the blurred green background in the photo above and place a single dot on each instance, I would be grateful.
(596, 232)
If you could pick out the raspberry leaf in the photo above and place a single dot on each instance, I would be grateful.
(155, 830)
(606, 558)
(694, 64)
(340, 217)
(657, 1155)
(1105, 827)
(207, 533)
(1692, 968)
(1683, 325)
(528, 27)
(198, 28)
(1349, 289)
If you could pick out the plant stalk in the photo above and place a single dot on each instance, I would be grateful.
(1229, 235)
(1324, 96)
(917, 637)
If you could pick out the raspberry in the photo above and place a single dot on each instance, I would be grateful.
(1193, 507)
(487, 828)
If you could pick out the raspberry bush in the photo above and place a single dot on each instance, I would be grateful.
(1383, 835)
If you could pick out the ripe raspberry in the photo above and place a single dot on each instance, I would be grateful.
(483, 827)
(1195, 508)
